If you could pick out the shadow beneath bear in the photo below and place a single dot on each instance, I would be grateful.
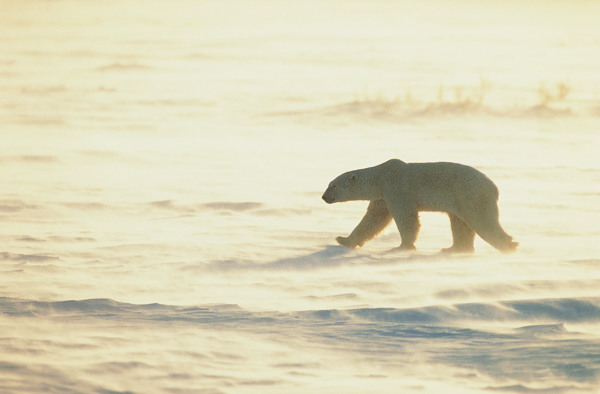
(331, 256)
(326, 258)
(334, 256)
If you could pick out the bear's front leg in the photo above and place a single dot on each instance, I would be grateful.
(404, 246)
(409, 229)
(406, 217)
(375, 220)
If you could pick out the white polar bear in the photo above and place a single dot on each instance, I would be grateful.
(398, 190)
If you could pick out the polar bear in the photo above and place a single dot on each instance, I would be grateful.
(398, 190)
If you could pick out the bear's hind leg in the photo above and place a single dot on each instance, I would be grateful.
(498, 238)
(375, 220)
(487, 226)
(463, 236)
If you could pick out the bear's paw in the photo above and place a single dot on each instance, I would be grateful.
(345, 241)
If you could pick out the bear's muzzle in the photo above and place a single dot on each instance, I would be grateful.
(327, 199)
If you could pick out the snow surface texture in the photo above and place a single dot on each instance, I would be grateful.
(161, 169)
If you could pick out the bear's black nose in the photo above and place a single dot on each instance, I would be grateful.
(327, 199)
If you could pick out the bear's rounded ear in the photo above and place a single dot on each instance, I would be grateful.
(354, 177)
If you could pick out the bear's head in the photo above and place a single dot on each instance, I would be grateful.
(343, 188)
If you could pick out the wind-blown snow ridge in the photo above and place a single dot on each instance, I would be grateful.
(543, 310)
(535, 311)
(539, 352)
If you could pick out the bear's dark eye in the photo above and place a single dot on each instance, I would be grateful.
(333, 187)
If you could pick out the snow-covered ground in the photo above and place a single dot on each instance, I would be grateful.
(161, 168)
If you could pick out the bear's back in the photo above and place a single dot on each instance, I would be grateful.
(438, 186)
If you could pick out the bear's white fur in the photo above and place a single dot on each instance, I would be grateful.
(398, 190)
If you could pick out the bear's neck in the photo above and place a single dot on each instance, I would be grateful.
(370, 184)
